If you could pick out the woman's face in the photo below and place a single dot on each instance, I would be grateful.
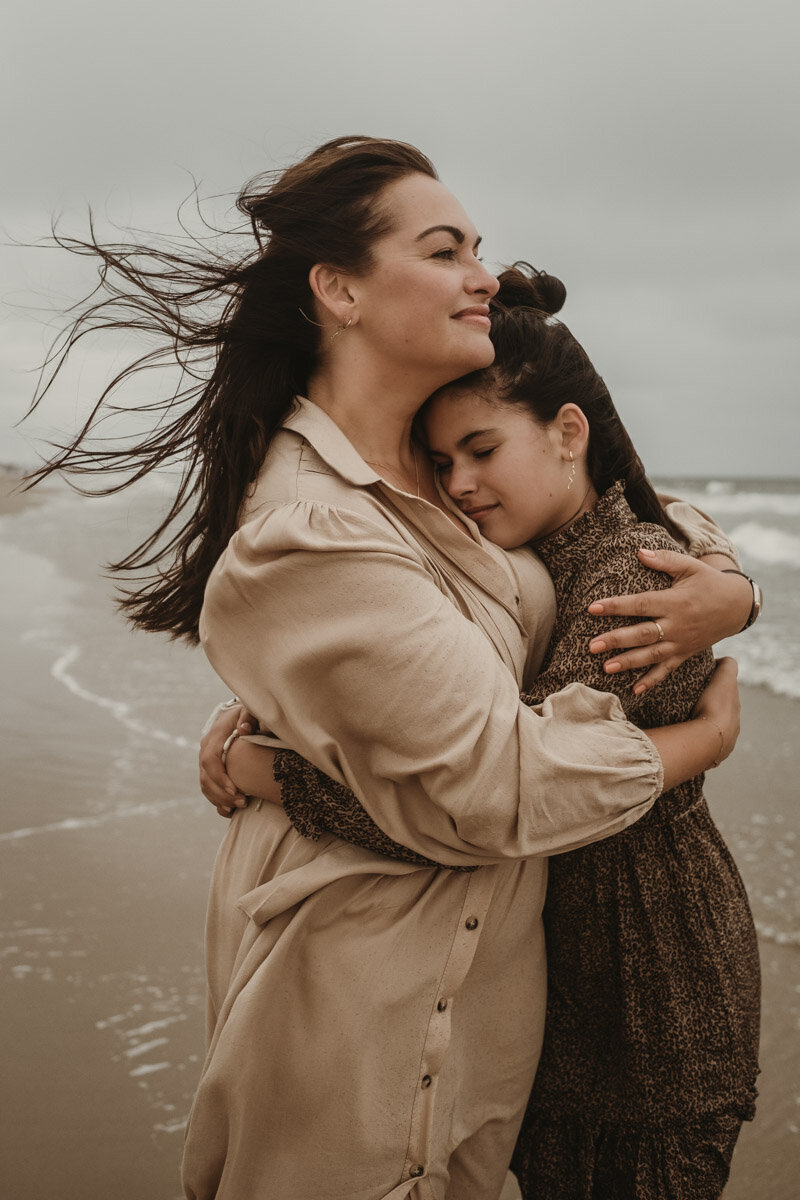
(424, 304)
(502, 468)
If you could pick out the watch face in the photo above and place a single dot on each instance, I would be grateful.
(758, 599)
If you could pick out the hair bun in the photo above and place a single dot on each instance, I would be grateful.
(522, 286)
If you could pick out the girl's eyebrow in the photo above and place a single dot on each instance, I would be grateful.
(468, 437)
(464, 441)
(453, 230)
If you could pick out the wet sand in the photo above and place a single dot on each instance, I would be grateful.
(101, 939)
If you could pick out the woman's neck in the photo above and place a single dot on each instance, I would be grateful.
(373, 411)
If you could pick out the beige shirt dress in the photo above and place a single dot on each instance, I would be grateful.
(375, 1026)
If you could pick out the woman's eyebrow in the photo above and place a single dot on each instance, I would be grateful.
(453, 230)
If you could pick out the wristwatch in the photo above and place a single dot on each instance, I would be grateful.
(758, 597)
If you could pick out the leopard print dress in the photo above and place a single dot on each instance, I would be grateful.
(651, 1041)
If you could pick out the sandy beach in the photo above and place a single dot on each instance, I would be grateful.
(106, 850)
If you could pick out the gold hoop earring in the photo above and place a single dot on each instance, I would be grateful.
(341, 329)
(573, 469)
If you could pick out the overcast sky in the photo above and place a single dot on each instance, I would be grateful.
(646, 151)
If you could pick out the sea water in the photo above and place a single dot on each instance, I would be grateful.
(762, 517)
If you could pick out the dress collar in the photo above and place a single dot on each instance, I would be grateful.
(484, 562)
(611, 513)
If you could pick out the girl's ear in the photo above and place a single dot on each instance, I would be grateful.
(572, 429)
(333, 295)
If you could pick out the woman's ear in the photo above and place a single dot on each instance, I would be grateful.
(572, 428)
(333, 295)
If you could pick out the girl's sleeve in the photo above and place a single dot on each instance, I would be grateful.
(334, 634)
(317, 804)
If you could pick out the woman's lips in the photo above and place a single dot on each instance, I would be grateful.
(478, 316)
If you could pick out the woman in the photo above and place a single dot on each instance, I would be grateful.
(651, 1040)
(348, 994)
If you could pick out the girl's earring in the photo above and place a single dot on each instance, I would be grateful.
(572, 471)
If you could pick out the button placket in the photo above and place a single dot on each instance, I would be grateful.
(477, 896)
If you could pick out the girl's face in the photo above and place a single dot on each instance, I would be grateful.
(423, 306)
(503, 469)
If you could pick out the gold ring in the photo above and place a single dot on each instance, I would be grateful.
(660, 631)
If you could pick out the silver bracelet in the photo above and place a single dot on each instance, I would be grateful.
(234, 700)
(229, 740)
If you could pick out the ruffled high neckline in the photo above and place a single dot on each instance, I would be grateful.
(610, 513)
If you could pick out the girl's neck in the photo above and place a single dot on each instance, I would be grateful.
(588, 498)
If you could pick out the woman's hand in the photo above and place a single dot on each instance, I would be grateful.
(702, 606)
(215, 783)
(720, 706)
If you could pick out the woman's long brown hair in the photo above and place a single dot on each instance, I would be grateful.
(235, 329)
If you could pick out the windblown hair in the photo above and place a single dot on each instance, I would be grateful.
(235, 329)
(539, 365)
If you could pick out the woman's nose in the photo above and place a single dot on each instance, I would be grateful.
(485, 281)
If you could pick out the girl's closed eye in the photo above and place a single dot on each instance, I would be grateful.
(447, 254)
(485, 453)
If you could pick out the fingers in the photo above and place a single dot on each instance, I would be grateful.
(728, 667)
(650, 633)
(215, 783)
(640, 604)
(671, 562)
(218, 789)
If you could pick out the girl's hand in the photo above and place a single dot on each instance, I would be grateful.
(702, 606)
(719, 705)
(250, 769)
(215, 783)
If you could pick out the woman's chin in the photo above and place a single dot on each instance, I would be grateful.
(478, 356)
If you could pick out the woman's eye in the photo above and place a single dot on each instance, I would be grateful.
(485, 453)
(446, 254)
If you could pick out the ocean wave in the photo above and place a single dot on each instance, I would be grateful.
(119, 709)
(764, 544)
(70, 824)
(734, 503)
(774, 679)
(765, 660)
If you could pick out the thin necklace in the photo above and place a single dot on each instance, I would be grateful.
(569, 521)
(392, 470)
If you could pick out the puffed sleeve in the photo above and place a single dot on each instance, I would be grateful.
(336, 637)
(703, 535)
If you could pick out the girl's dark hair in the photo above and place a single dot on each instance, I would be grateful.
(235, 328)
(539, 364)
